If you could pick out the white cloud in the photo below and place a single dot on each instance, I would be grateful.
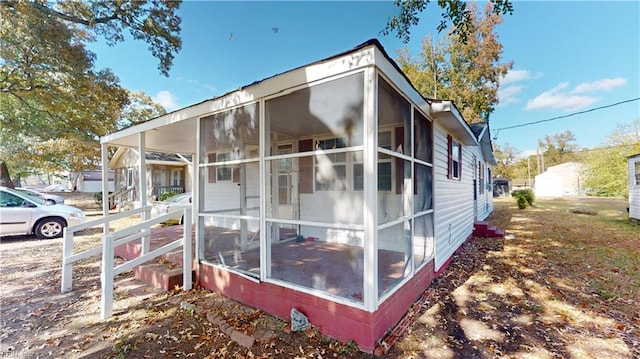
(559, 98)
(508, 91)
(168, 100)
(515, 76)
(600, 85)
(525, 154)
(508, 95)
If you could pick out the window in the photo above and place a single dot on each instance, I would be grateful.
(637, 172)
(176, 177)
(384, 166)
(481, 183)
(223, 173)
(129, 177)
(331, 168)
(455, 158)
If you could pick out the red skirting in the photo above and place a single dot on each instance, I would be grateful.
(339, 321)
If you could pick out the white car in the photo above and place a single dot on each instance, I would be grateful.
(24, 214)
(179, 201)
(49, 198)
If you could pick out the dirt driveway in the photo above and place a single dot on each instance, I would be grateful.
(563, 283)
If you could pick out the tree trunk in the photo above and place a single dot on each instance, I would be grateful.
(5, 178)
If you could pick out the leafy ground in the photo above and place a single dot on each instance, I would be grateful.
(563, 283)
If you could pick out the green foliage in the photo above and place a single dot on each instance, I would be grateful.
(522, 202)
(54, 105)
(558, 148)
(166, 195)
(524, 197)
(97, 197)
(465, 70)
(454, 11)
(505, 158)
(605, 170)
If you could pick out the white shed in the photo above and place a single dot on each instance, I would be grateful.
(548, 184)
(634, 186)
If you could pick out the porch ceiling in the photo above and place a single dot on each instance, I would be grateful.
(178, 137)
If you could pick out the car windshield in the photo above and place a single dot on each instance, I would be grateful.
(178, 198)
(32, 196)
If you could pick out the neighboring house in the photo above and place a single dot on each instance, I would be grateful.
(334, 188)
(165, 173)
(91, 181)
(560, 180)
(634, 187)
(520, 183)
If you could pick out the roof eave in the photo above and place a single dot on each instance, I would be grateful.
(450, 118)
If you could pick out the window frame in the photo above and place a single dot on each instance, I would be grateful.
(454, 168)
(222, 157)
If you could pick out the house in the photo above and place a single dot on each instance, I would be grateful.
(520, 183)
(634, 187)
(560, 180)
(91, 181)
(334, 188)
(166, 172)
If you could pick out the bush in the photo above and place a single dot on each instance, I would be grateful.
(166, 195)
(524, 197)
(97, 198)
(522, 202)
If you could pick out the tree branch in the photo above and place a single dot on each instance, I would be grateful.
(74, 19)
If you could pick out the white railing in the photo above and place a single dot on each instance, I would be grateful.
(112, 240)
(68, 257)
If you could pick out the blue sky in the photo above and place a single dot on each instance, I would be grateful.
(569, 56)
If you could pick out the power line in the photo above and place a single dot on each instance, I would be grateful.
(564, 116)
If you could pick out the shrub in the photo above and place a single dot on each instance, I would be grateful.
(166, 195)
(524, 197)
(522, 202)
(97, 198)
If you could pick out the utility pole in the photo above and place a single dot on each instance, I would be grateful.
(529, 170)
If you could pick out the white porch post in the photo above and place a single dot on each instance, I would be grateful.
(370, 157)
(142, 184)
(263, 146)
(105, 185)
(106, 298)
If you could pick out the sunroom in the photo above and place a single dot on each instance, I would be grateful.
(313, 190)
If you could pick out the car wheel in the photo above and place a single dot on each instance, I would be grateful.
(49, 228)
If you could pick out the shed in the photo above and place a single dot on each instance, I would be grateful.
(501, 187)
(560, 180)
(334, 188)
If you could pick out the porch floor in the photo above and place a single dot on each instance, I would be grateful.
(334, 268)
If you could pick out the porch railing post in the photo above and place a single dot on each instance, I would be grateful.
(106, 300)
(146, 240)
(67, 267)
(187, 258)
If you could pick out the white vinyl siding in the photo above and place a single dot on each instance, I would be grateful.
(453, 200)
(634, 187)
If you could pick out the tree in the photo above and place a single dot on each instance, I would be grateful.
(506, 157)
(454, 11)
(466, 70)
(558, 148)
(605, 169)
(141, 108)
(53, 105)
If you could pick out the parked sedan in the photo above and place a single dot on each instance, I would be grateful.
(49, 198)
(24, 214)
(179, 201)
